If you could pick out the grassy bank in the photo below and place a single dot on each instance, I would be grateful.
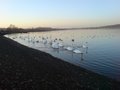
(25, 68)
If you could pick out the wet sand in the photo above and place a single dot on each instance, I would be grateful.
(23, 68)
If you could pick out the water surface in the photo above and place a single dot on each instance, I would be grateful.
(102, 55)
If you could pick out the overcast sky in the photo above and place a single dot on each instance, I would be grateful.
(59, 13)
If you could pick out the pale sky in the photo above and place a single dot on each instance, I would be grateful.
(59, 13)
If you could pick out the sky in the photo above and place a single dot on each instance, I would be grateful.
(59, 13)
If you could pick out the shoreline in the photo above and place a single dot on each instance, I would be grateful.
(27, 68)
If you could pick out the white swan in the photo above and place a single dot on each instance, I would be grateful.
(85, 46)
(55, 45)
(60, 44)
(77, 51)
(44, 41)
(69, 48)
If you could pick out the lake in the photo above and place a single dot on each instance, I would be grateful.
(100, 49)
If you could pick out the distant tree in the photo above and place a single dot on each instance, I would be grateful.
(12, 26)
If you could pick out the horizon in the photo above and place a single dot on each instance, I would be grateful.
(13, 26)
(59, 14)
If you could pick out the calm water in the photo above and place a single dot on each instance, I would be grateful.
(102, 55)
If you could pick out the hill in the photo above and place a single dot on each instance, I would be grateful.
(115, 26)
